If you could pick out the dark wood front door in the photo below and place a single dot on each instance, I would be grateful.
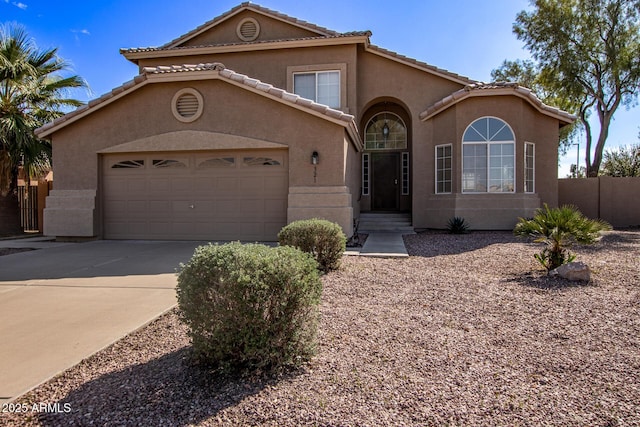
(386, 181)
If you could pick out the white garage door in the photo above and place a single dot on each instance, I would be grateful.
(205, 196)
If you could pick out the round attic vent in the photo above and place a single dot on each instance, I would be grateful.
(187, 105)
(248, 30)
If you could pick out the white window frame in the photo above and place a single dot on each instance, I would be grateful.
(366, 174)
(450, 169)
(316, 96)
(405, 173)
(341, 68)
(531, 167)
(488, 144)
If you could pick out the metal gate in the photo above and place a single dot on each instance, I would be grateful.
(28, 208)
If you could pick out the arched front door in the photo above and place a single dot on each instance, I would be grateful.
(386, 162)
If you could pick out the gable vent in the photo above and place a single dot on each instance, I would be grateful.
(187, 105)
(248, 30)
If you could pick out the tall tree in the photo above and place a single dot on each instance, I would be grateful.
(625, 161)
(587, 53)
(527, 74)
(32, 93)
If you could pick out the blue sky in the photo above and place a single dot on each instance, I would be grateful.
(462, 36)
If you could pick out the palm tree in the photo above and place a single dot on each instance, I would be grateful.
(31, 94)
(559, 228)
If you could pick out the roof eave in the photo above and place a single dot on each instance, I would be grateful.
(562, 116)
(135, 56)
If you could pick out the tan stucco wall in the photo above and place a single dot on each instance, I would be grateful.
(270, 66)
(485, 211)
(380, 78)
(227, 110)
(270, 29)
(614, 199)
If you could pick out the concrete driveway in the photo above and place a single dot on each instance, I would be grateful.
(61, 304)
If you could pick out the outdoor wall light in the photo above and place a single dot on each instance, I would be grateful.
(314, 158)
(385, 131)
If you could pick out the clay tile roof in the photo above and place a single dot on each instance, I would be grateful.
(164, 69)
(496, 89)
(125, 51)
(219, 71)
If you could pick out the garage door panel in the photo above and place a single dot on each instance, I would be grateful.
(225, 186)
(135, 185)
(232, 198)
(275, 208)
(204, 209)
(131, 229)
(203, 186)
(160, 185)
(158, 228)
(251, 184)
(183, 228)
(251, 207)
(275, 185)
(115, 187)
(225, 208)
(182, 208)
(273, 228)
(159, 207)
(182, 185)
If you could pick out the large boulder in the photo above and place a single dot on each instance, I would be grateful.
(575, 271)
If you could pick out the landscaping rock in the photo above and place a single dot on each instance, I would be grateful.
(575, 271)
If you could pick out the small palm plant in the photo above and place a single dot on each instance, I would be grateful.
(559, 228)
(457, 225)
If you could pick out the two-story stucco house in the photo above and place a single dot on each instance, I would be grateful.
(256, 119)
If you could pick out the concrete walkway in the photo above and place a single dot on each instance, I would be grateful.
(389, 245)
(64, 302)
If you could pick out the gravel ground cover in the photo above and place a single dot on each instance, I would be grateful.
(466, 331)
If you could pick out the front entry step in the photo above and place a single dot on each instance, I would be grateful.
(383, 222)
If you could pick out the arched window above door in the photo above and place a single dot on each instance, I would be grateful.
(385, 131)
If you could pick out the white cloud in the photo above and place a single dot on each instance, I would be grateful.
(18, 4)
(83, 31)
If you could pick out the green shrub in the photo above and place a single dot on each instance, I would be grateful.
(250, 307)
(559, 228)
(457, 225)
(321, 238)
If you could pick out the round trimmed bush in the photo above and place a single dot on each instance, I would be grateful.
(321, 238)
(250, 307)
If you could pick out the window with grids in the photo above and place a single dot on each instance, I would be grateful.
(365, 174)
(488, 157)
(529, 167)
(322, 87)
(405, 174)
(443, 168)
(385, 131)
